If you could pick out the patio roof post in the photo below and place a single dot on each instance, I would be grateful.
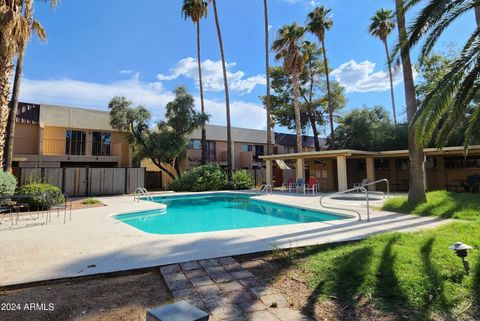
(370, 164)
(342, 173)
(269, 173)
(300, 168)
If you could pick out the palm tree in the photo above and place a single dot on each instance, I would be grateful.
(287, 47)
(16, 27)
(14, 33)
(416, 191)
(196, 10)
(454, 97)
(267, 76)
(381, 25)
(227, 97)
(318, 23)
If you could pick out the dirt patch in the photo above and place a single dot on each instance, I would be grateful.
(122, 298)
(288, 277)
(77, 204)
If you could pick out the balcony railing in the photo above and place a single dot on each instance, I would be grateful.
(25, 146)
(80, 148)
(195, 156)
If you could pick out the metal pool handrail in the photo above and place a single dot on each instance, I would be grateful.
(141, 191)
(361, 189)
(264, 187)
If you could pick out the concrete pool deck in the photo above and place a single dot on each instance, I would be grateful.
(94, 242)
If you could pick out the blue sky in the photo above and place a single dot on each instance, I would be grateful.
(143, 49)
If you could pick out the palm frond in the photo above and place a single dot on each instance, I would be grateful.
(473, 127)
(466, 92)
(39, 30)
(194, 10)
(436, 31)
(454, 90)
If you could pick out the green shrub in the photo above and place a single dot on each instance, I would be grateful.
(200, 179)
(90, 201)
(8, 183)
(241, 180)
(52, 194)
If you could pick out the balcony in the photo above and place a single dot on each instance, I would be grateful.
(60, 147)
(194, 156)
(57, 147)
(25, 146)
(249, 160)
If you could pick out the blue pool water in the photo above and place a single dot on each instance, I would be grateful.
(217, 212)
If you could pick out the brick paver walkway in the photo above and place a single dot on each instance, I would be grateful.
(224, 289)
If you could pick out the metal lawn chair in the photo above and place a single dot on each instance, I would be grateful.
(360, 185)
(312, 185)
(300, 185)
(57, 201)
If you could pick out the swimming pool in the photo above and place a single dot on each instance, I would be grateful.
(218, 212)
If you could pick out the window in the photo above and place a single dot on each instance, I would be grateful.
(75, 142)
(195, 144)
(431, 163)
(402, 163)
(247, 147)
(382, 164)
(462, 162)
(289, 149)
(259, 150)
(101, 144)
(211, 151)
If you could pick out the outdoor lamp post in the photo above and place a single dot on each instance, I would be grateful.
(461, 250)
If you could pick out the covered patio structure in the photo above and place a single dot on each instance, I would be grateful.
(329, 167)
(450, 168)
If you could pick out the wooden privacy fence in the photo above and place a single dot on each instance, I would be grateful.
(258, 175)
(85, 181)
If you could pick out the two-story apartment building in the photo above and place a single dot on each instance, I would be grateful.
(56, 136)
(247, 147)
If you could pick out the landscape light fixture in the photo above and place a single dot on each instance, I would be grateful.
(461, 250)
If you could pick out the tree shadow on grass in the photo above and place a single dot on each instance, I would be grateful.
(388, 289)
(441, 204)
(435, 287)
(348, 277)
(476, 291)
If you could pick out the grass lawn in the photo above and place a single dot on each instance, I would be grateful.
(408, 276)
(440, 203)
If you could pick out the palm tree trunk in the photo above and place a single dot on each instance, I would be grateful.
(477, 15)
(313, 124)
(329, 97)
(6, 67)
(391, 82)
(416, 191)
(267, 76)
(203, 141)
(227, 98)
(13, 111)
(298, 123)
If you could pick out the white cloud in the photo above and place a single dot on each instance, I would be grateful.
(242, 114)
(153, 95)
(212, 75)
(133, 73)
(307, 3)
(362, 77)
